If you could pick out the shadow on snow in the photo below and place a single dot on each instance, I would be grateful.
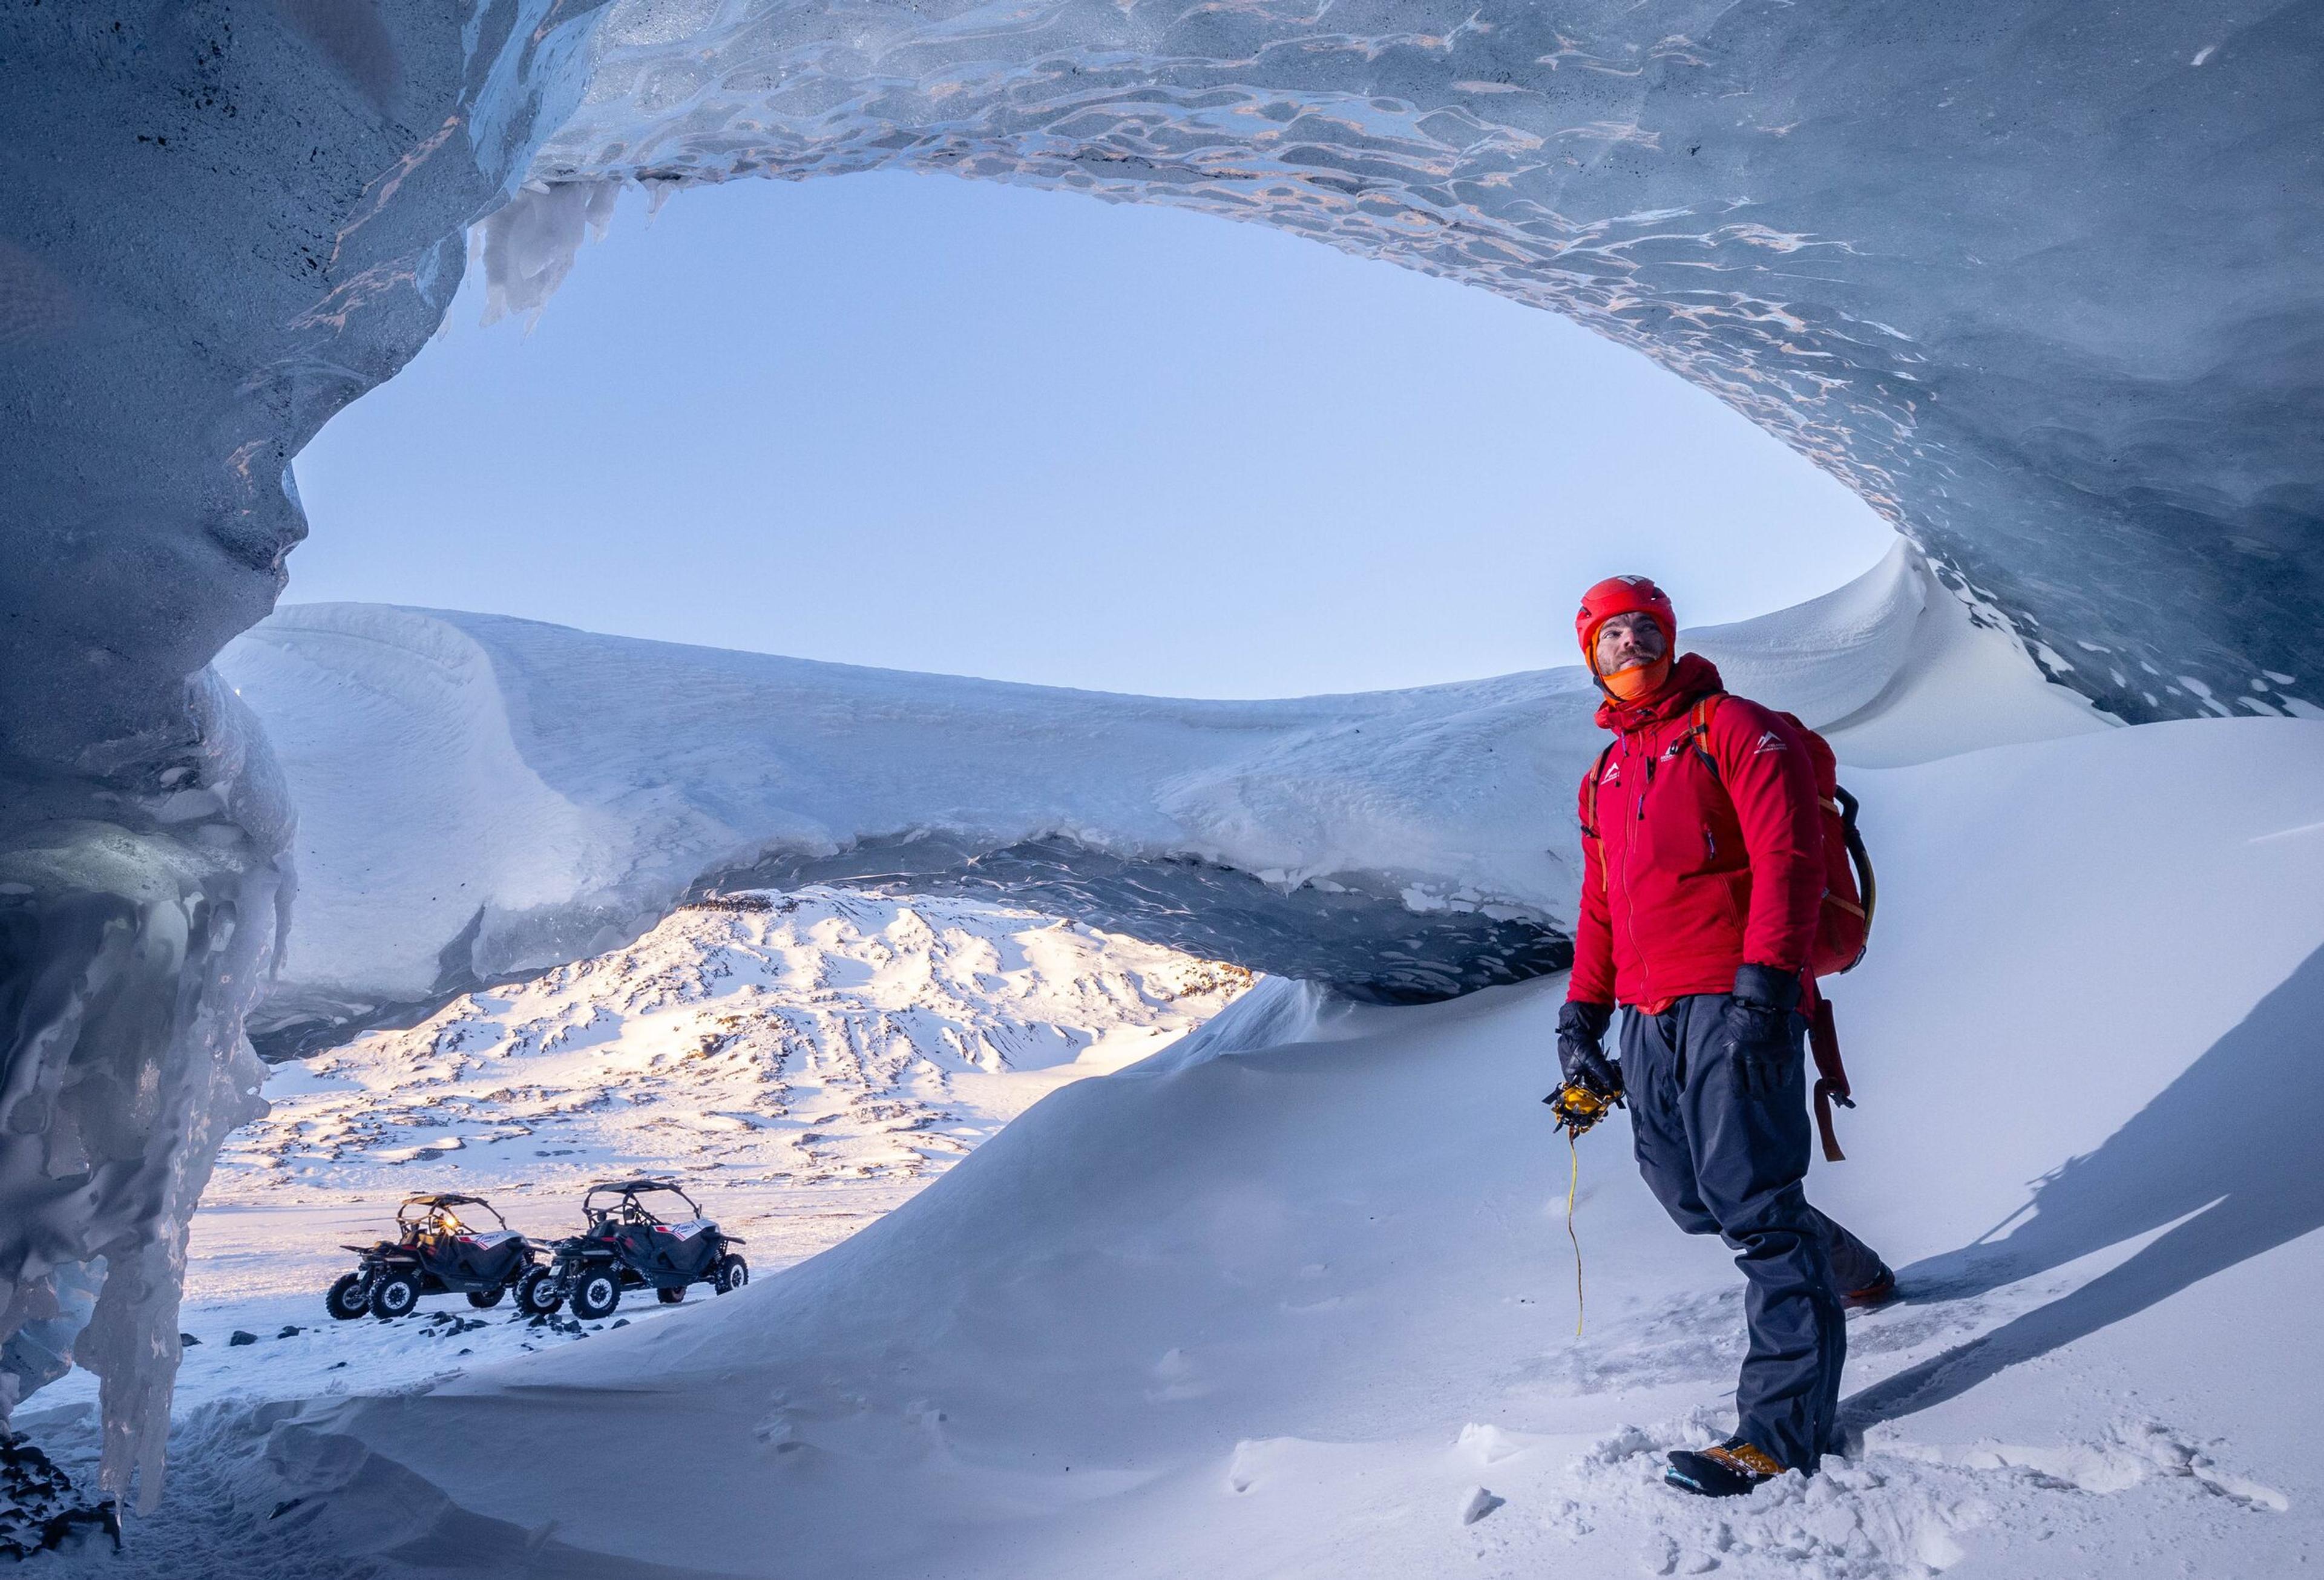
(2230, 1141)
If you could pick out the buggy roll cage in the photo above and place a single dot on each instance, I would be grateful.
(431, 1206)
(628, 1208)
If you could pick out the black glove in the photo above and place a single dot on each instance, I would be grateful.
(1580, 1057)
(1759, 1036)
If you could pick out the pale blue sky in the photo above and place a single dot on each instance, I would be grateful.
(932, 424)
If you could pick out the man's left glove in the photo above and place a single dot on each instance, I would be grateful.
(1758, 1034)
(1581, 1051)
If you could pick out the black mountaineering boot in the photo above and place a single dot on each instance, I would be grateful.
(1872, 1296)
(1728, 1470)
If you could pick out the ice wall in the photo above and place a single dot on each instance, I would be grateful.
(223, 222)
(2039, 282)
(135, 927)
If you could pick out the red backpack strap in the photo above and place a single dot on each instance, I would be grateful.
(1700, 729)
(1589, 791)
(1831, 1077)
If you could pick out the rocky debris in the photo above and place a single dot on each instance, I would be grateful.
(445, 1325)
(238, 1338)
(39, 1511)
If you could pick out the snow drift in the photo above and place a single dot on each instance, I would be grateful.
(481, 795)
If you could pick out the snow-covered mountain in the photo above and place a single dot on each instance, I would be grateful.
(800, 1058)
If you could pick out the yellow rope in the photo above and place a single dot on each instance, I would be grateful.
(1572, 1186)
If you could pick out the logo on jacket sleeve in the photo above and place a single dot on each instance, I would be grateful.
(1769, 742)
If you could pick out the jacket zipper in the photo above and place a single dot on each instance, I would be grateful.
(1629, 848)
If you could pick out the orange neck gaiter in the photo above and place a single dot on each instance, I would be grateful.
(1638, 683)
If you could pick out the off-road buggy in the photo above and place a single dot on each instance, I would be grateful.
(625, 1244)
(434, 1252)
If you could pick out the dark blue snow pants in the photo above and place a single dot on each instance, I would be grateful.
(1725, 1162)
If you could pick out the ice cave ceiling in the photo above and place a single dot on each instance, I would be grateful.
(2041, 282)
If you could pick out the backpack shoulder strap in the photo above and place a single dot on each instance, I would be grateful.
(1700, 728)
(1590, 790)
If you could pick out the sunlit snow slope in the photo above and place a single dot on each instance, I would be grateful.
(777, 1052)
(1285, 1298)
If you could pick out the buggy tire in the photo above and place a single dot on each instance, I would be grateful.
(394, 1294)
(733, 1273)
(485, 1300)
(348, 1299)
(538, 1292)
(594, 1293)
(669, 1297)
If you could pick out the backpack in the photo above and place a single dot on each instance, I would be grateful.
(1844, 927)
(1850, 894)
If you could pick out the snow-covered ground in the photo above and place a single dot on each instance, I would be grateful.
(1293, 1297)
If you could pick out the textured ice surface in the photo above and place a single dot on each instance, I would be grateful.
(135, 932)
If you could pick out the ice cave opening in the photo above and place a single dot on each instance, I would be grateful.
(906, 445)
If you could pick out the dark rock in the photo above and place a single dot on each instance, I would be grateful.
(187, 1341)
(291, 1330)
(39, 1511)
(240, 1339)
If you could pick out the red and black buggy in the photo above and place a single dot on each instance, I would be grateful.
(625, 1243)
(435, 1252)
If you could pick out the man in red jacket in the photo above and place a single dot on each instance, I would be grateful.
(1702, 880)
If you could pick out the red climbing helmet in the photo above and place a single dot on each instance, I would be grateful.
(1623, 596)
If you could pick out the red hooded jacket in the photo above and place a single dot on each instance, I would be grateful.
(1686, 874)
